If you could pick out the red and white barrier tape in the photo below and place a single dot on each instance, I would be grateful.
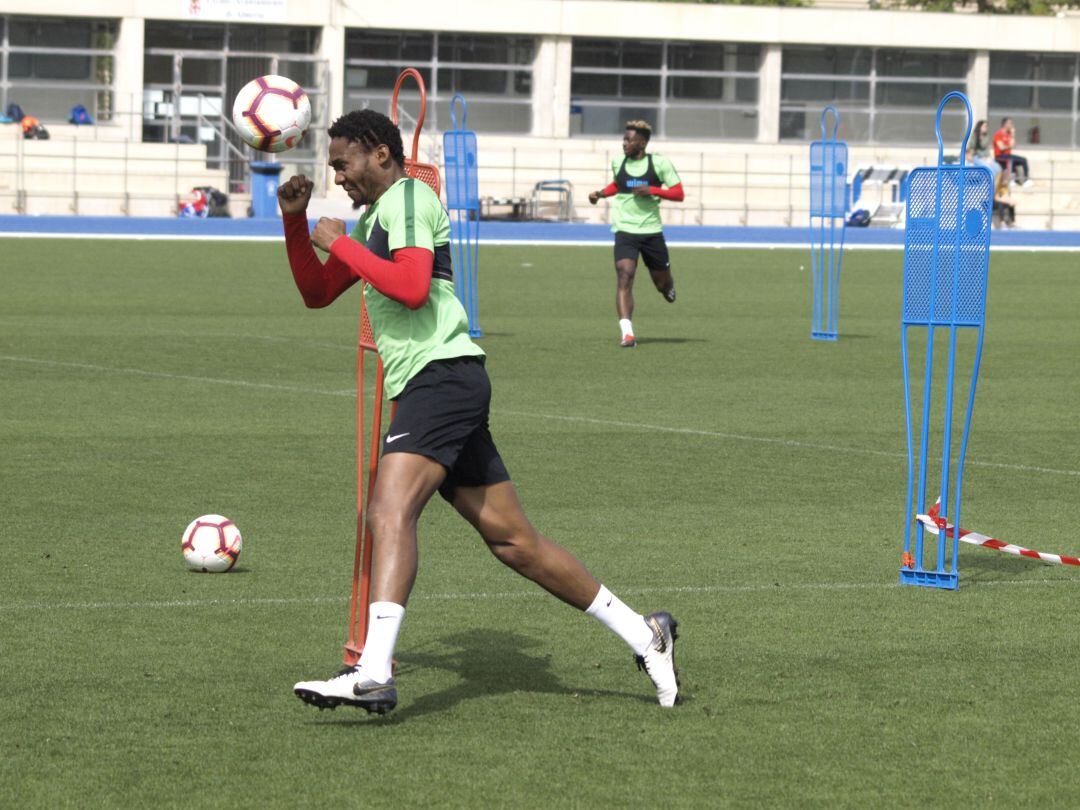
(934, 524)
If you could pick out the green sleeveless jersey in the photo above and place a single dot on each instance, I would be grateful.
(409, 214)
(641, 215)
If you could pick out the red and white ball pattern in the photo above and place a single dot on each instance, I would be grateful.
(272, 113)
(211, 544)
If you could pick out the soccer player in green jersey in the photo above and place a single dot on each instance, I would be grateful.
(438, 441)
(641, 181)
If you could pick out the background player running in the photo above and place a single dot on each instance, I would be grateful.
(438, 439)
(638, 187)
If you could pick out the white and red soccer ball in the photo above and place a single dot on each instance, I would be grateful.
(211, 544)
(272, 113)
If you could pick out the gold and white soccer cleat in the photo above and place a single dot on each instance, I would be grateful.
(659, 660)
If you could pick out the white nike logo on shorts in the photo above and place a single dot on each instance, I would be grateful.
(395, 437)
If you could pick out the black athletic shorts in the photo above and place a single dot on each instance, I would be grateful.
(651, 246)
(442, 413)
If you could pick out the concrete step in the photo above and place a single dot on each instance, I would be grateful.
(109, 183)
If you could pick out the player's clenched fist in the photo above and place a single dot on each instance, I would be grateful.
(326, 231)
(294, 194)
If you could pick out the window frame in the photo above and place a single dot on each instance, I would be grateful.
(435, 95)
(665, 101)
(1035, 85)
(875, 111)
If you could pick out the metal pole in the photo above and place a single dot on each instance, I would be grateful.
(790, 189)
(1050, 223)
(127, 194)
(176, 180)
(75, 175)
(745, 189)
(701, 188)
(20, 173)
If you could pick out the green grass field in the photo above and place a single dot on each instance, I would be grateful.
(729, 469)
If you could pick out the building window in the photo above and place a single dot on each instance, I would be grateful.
(884, 95)
(1039, 91)
(492, 73)
(193, 71)
(50, 64)
(684, 89)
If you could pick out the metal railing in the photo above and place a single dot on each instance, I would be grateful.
(78, 176)
(110, 169)
(752, 189)
(101, 170)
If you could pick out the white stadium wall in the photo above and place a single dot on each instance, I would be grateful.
(734, 92)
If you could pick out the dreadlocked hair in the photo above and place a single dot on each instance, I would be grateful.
(370, 129)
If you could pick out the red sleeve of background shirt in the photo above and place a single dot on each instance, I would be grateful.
(406, 279)
(675, 193)
(1001, 143)
(609, 190)
(319, 284)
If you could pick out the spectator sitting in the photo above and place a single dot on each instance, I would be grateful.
(979, 149)
(1004, 141)
(197, 207)
(1004, 207)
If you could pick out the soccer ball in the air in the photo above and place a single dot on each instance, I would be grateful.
(211, 544)
(272, 113)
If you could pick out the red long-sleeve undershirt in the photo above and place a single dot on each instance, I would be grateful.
(406, 279)
(675, 193)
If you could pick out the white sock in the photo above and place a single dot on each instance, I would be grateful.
(621, 620)
(626, 326)
(384, 621)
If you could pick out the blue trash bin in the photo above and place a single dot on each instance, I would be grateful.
(264, 186)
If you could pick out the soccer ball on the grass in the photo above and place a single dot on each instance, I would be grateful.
(211, 544)
(272, 113)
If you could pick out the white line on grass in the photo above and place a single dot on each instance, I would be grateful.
(642, 426)
(478, 596)
(169, 376)
(535, 242)
(771, 440)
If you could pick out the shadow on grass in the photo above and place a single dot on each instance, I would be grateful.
(991, 567)
(644, 341)
(235, 571)
(488, 663)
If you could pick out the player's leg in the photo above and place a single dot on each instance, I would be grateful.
(654, 252)
(403, 486)
(496, 513)
(413, 466)
(1020, 167)
(626, 260)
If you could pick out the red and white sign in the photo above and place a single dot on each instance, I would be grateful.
(236, 10)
